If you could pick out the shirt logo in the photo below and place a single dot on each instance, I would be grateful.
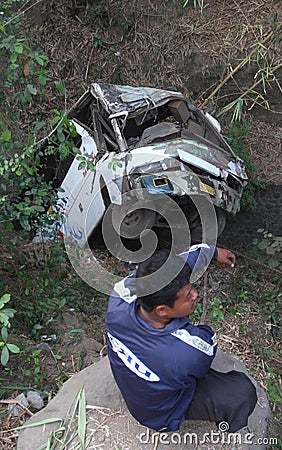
(196, 341)
(123, 291)
(131, 361)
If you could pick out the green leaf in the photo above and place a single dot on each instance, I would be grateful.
(9, 226)
(262, 245)
(42, 192)
(4, 356)
(6, 136)
(4, 319)
(61, 135)
(4, 334)
(14, 66)
(28, 169)
(72, 130)
(31, 89)
(270, 250)
(9, 312)
(91, 166)
(13, 348)
(220, 314)
(4, 299)
(55, 121)
(273, 18)
(13, 57)
(41, 59)
(39, 125)
(60, 87)
(28, 210)
(77, 330)
(273, 263)
(81, 165)
(42, 80)
(38, 208)
(18, 48)
(25, 224)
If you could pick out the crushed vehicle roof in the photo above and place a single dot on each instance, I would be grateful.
(125, 102)
(119, 98)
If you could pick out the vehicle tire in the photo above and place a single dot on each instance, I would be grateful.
(221, 220)
(196, 226)
(135, 222)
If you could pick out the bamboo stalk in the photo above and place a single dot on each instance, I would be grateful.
(237, 68)
(251, 88)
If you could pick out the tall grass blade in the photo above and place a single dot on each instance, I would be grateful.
(36, 424)
(82, 418)
(237, 114)
(68, 422)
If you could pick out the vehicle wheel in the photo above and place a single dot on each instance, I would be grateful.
(137, 221)
(196, 226)
(221, 220)
(196, 230)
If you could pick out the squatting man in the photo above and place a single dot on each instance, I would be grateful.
(160, 360)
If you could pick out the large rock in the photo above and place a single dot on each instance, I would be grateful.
(110, 425)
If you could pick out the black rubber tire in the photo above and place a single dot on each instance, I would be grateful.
(221, 220)
(137, 221)
(196, 226)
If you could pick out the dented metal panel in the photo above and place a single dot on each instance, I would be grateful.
(119, 98)
(163, 143)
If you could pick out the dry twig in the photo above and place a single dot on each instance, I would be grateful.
(16, 402)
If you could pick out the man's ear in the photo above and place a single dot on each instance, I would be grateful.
(161, 311)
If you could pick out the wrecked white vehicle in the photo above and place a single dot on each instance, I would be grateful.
(149, 139)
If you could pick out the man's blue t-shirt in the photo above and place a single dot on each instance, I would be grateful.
(156, 368)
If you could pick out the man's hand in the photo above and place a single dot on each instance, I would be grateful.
(225, 257)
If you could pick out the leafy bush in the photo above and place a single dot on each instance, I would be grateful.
(272, 248)
(25, 195)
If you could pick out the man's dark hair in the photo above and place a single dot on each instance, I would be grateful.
(167, 294)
